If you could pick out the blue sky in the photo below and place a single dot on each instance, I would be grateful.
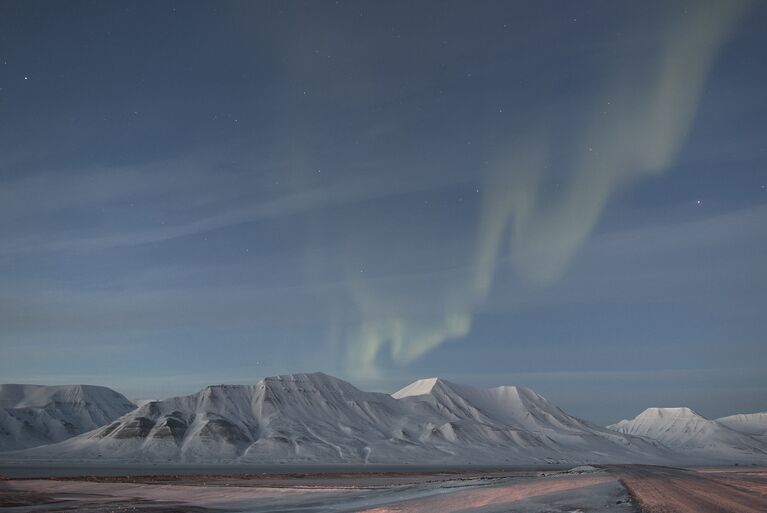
(565, 196)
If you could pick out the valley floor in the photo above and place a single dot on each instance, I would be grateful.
(586, 490)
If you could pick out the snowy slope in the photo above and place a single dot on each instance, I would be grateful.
(521, 425)
(32, 415)
(689, 433)
(300, 418)
(754, 424)
(315, 418)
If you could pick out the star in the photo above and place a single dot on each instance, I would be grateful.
(698, 202)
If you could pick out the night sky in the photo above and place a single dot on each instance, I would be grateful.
(569, 196)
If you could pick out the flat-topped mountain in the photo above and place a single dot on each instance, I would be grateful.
(514, 406)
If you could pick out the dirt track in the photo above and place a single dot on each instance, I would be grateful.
(671, 490)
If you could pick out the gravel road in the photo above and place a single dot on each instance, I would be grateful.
(672, 490)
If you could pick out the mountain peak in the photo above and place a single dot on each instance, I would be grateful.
(297, 376)
(675, 412)
(419, 387)
(684, 430)
(656, 418)
(307, 379)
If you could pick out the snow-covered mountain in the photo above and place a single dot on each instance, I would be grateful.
(316, 418)
(519, 425)
(691, 434)
(302, 417)
(32, 415)
(754, 424)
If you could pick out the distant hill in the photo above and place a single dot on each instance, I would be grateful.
(691, 434)
(754, 424)
(32, 415)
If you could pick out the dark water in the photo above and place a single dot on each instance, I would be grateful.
(60, 469)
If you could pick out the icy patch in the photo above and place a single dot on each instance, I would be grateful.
(583, 469)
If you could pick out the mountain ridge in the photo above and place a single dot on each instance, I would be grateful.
(684, 430)
(309, 418)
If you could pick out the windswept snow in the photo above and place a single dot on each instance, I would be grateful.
(685, 431)
(32, 415)
(754, 424)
